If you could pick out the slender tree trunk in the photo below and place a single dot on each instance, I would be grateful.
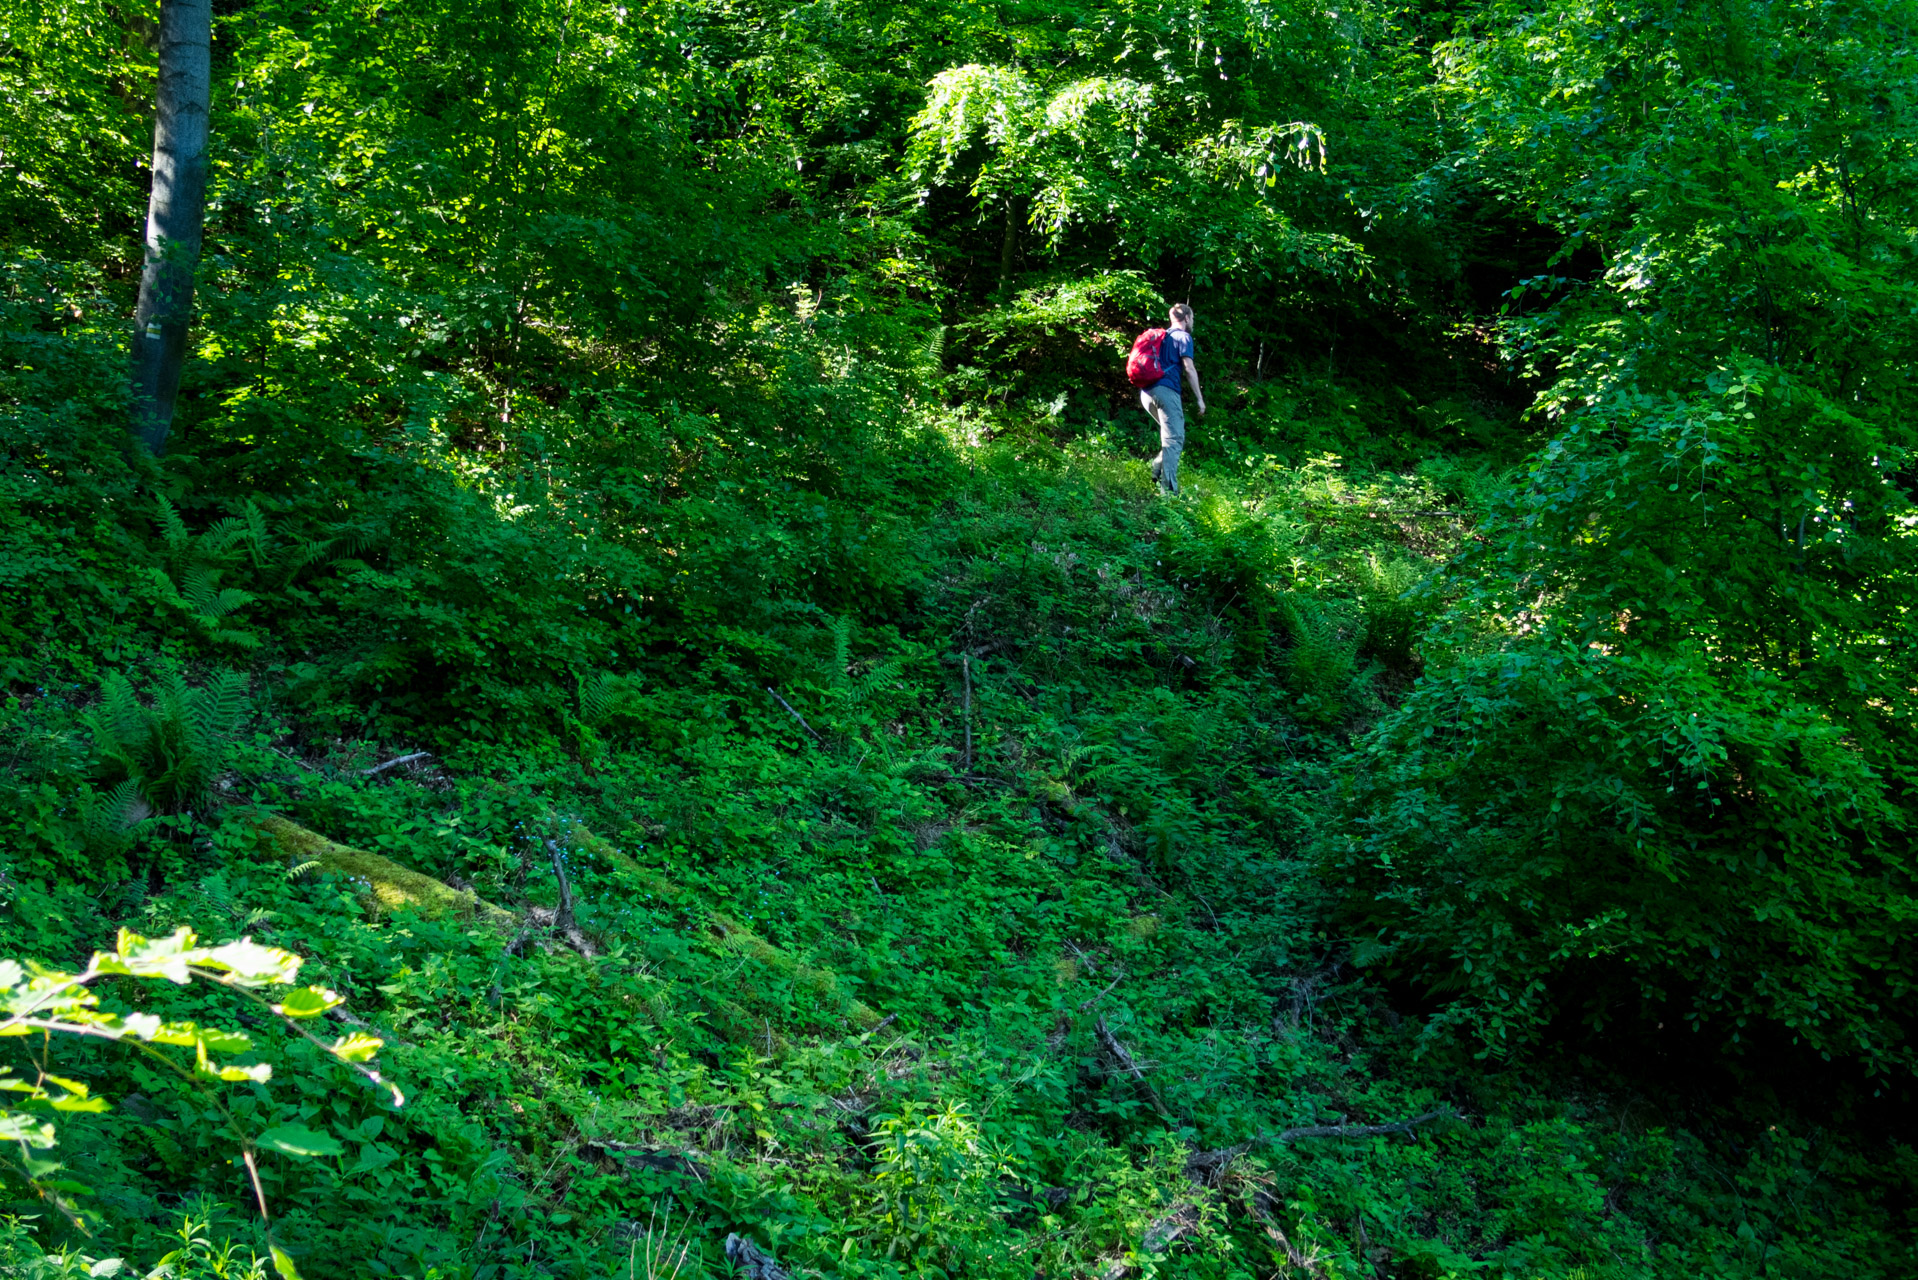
(174, 215)
(1007, 247)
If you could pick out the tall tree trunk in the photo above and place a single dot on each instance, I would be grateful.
(174, 215)
(1007, 247)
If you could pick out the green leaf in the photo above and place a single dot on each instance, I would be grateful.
(282, 1263)
(252, 964)
(357, 1047)
(298, 1140)
(309, 1002)
(15, 1127)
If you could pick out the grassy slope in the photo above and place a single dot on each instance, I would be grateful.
(1093, 945)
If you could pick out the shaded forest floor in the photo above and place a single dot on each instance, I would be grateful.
(974, 929)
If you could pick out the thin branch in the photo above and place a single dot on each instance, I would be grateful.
(563, 922)
(1362, 1130)
(1122, 1058)
(253, 1172)
(370, 1074)
(1087, 1004)
(394, 763)
(795, 715)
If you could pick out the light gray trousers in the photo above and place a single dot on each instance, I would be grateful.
(1166, 407)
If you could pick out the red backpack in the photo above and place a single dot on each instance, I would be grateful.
(1146, 365)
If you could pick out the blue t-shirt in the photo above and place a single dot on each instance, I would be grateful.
(1178, 346)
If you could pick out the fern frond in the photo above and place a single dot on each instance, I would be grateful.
(216, 708)
(878, 678)
(221, 537)
(163, 584)
(595, 699)
(198, 586)
(229, 599)
(205, 596)
(296, 556)
(258, 537)
(172, 528)
(107, 822)
(299, 869)
(120, 715)
(841, 648)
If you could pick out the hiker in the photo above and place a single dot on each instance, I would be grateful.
(1164, 401)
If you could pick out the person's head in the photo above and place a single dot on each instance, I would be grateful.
(1181, 316)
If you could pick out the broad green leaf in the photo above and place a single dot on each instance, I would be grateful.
(259, 1073)
(309, 1002)
(15, 1127)
(252, 964)
(298, 1140)
(357, 1047)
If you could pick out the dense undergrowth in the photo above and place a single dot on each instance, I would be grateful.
(1047, 804)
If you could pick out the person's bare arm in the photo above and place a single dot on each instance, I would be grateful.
(1192, 372)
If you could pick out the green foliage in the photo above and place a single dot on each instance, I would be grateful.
(170, 752)
(1664, 768)
(932, 1182)
(693, 437)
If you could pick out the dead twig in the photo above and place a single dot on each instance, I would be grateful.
(1087, 1004)
(1362, 1130)
(1122, 1058)
(563, 922)
(795, 715)
(396, 762)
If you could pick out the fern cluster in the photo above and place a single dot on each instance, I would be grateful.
(189, 577)
(165, 755)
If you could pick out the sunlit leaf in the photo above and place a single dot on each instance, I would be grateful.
(298, 1140)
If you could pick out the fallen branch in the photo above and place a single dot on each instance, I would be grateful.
(394, 763)
(1362, 1130)
(795, 715)
(563, 922)
(631, 1154)
(1084, 1005)
(386, 885)
(1122, 1059)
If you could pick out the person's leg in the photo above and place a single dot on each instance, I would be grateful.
(1149, 401)
(1171, 417)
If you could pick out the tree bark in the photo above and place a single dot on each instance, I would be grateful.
(1007, 246)
(175, 214)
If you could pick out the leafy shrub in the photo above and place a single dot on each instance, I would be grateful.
(1395, 614)
(1555, 829)
(1322, 653)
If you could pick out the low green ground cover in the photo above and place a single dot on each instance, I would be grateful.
(1046, 798)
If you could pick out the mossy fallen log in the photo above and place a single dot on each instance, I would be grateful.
(386, 884)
